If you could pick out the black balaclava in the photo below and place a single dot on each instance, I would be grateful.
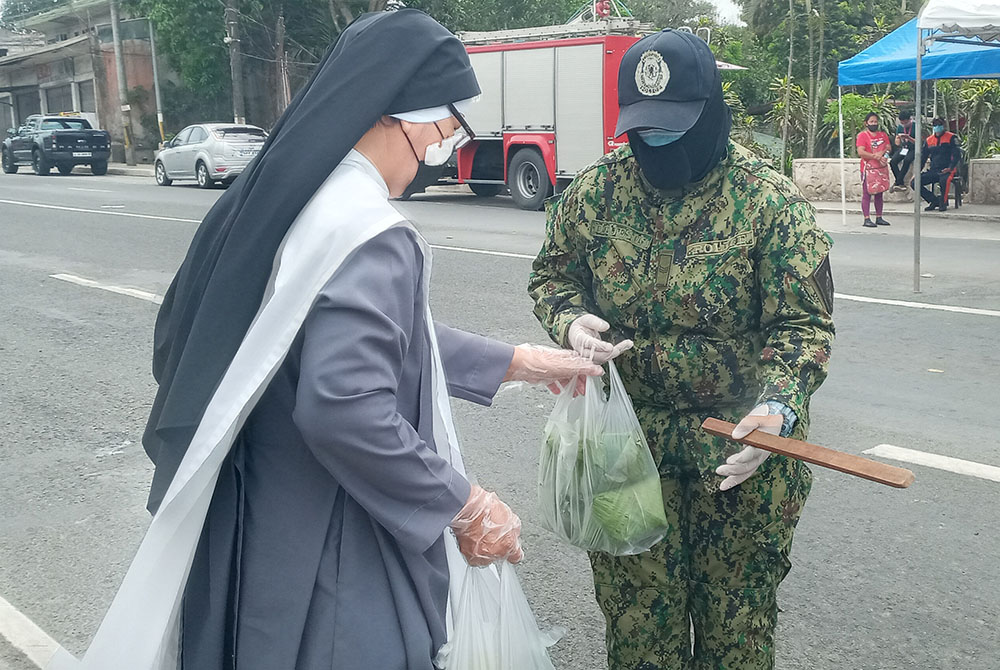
(694, 155)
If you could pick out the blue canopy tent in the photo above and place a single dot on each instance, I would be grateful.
(949, 39)
(894, 58)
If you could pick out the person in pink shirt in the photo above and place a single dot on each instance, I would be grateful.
(873, 148)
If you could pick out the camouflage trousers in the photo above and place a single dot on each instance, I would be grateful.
(717, 570)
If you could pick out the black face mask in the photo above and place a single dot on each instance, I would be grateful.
(693, 156)
(873, 127)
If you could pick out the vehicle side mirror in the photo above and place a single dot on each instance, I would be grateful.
(11, 132)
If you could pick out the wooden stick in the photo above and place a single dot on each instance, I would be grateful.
(850, 464)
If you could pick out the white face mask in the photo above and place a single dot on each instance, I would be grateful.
(438, 154)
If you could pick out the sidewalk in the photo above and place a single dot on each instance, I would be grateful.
(969, 212)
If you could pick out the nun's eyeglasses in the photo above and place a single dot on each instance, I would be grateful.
(469, 135)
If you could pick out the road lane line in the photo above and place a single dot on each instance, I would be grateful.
(131, 292)
(484, 252)
(919, 305)
(956, 465)
(102, 212)
(25, 636)
(89, 190)
(841, 296)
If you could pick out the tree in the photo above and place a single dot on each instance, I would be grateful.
(673, 13)
(12, 10)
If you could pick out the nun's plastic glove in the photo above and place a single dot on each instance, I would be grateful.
(740, 466)
(585, 338)
(487, 529)
(547, 365)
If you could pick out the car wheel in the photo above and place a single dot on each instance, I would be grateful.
(39, 164)
(201, 172)
(64, 169)
(9, 166)
(99, 168)
(486, 190)
(528, 179)
(160, 173)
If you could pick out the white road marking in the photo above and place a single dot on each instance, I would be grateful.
(25, 636)
(956, 465)
(102, 212)
(484, 252)
(90, 190)
(131, 292)
(919, 305)
(841, 296)
(506, 254)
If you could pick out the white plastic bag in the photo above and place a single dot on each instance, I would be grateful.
(494, 628)
(598, 486)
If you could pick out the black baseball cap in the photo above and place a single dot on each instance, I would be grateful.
(664, 81)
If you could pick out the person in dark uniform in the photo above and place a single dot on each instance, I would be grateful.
(944, 152)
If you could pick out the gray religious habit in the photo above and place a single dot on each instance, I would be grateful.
(331, 439)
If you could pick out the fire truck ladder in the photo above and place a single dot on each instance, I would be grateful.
(610, 26)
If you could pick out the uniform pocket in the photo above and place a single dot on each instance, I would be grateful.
(722, 290)
(620, 268)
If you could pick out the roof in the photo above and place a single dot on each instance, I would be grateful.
(40, 53)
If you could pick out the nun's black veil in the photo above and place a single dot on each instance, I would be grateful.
(382, 64)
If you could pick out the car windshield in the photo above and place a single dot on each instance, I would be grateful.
(65, 124)
(241, 134)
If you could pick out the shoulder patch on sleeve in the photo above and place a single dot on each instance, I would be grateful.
(822, 280)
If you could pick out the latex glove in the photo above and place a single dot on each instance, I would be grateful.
(585, 338)
(740, 466)
(487, 529)
(547, 365)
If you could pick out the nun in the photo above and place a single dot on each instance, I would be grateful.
(308, 477)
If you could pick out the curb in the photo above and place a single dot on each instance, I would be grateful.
(131, 170)
(950, 214)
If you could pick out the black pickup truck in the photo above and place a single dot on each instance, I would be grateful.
(60, 141)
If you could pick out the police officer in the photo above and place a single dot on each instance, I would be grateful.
(703, 271)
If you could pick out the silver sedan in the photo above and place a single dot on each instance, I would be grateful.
(209, 153)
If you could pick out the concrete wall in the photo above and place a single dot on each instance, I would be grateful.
(984, 181)
(819, 179)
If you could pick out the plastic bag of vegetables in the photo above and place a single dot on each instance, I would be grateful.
(598, 486)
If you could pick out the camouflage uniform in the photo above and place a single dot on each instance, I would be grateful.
(725, 288)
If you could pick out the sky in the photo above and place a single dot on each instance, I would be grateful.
(729, 12)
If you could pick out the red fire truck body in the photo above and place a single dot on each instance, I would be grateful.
(548, 109)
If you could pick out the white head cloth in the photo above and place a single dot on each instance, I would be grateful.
(432, 114)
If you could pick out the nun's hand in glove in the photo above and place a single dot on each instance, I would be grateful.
(740, 466)
(487, 530)
(550, 366)
(585, 339)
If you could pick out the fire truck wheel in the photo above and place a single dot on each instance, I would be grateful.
(486, 190)
(528, 179)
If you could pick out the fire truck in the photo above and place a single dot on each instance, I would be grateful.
(548, 107)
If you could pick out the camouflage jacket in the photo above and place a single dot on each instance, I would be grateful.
(724, 285)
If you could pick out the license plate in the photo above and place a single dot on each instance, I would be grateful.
(249, 152)
(81, 154)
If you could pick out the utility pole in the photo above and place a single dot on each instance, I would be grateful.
(156, 81)
(282, 70)
(235, 60)
(122, 85)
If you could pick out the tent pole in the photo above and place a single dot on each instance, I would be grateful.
(843, 184)
(917, 165)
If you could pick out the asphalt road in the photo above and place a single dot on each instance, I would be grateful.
(883, 579)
